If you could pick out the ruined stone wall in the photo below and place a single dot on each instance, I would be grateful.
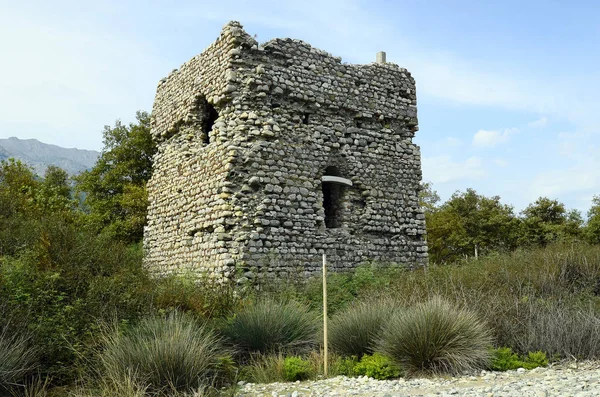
(187, 211)
(251, 199)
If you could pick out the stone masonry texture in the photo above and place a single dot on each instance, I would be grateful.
(245, 134)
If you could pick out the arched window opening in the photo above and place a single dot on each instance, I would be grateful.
(333, 186)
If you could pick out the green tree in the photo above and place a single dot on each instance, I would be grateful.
(17, 185)
(115, 188)
(469, 224)
(546, 221)
(57, 180)
(592, 229)
(54, 193)
(26, 201)
(428, 198)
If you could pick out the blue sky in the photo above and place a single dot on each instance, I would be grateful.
(508, 92)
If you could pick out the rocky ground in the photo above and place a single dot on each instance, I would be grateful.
(581, 379)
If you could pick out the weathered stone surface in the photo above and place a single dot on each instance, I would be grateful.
(246, 132)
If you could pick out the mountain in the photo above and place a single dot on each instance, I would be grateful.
(3, 154)
(40, 155)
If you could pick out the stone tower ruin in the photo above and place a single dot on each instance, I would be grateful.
(269, 155)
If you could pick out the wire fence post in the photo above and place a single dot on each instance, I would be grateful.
(325, 344)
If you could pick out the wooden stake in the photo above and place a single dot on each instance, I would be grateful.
(325, 346)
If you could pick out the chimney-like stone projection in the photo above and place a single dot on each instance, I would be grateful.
(271, 154)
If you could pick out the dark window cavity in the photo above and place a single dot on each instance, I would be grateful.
(332, 200)
(210, 116)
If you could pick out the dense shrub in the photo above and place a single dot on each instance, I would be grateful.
(164, 354)
(345, 366)
(436, 337)
(376, 366)
(567, 328)
(535, 359)
(504, 359)
(65, 285)
(270, 326)
(296, 368)
(354, 330)
(345, 288)
(189, 294)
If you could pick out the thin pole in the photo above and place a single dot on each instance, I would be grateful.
(325, 345)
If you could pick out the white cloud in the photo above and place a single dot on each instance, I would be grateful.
(441, 169)
(488, 139)
(501, 162)
(539, 123)
(442, 146)
(579, 176)
(452, 142)
(449, 77)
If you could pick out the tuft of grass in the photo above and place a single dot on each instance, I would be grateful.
(270, 326)
(354, 330)
(173, 354)
(127, 386)
(17, 359)
(274, 367)
(264, 368)
(436, 337)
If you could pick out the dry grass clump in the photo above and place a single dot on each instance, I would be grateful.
(436, 337)
(354, 330)
(17, 359)
(271, 326)
(163, 355)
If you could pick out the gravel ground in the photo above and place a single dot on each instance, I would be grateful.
(582, 379)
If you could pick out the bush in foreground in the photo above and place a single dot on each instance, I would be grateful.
(17, 359)
(296, 368)
(376, 366)
(436, 337)
(171, 354)
(270, 326)
(503, 359)
(354, 330)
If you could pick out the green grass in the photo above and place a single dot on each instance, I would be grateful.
(354, 330)
(17, 359)
(436, 337)
(163, 355)
(270, 326)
